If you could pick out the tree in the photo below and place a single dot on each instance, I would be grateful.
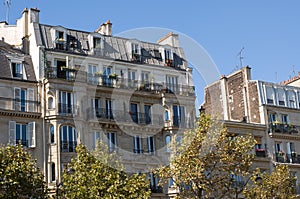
(279, 184)
(99, 174)
(209, 162)
(19, 175)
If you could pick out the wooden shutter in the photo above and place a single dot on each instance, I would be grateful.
(17, 99)
(31, 134)
(12, 133)
(30, 100)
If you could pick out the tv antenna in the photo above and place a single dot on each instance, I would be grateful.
(240, 54)
(7, 4)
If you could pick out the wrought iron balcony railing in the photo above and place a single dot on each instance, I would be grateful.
(20, 105)
(283, 128)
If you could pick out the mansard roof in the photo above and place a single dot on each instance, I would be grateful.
(9, 53)
(114, 48)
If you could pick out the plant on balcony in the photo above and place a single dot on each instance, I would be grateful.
(113, 76)
(281, 154)
(294, 154)
(98, 74)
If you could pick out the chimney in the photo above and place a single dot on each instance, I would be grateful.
(169, 39)
(34, 15)
(25, 45)
(105, 28)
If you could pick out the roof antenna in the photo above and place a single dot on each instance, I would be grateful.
(241, 57)
(7, 3)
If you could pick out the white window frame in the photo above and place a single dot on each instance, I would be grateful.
(270, 95)
(96, 136)
(151, 144)
(68, 139)
(112, 141)
(30, 133)
(137, 144)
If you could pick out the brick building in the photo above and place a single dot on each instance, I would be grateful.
(269, 111)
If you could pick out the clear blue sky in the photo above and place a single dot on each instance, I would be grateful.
(269, 30)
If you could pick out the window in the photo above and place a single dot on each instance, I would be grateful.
(168, 57)
(51, 130)
(285, 119)
(134, 112)
(292, 99)
(132, 83)
(138, 145)
(109, 109)
(97, 42)
(154, 183)
(93, 74)
(270, 95)
(107, 71)
(172, 84)
(278, 147)
(178, 115)
(52, 178)
(112, 141)
(151, 144)
(96, 105)
(147, 109)
(273, 117)
(68, 139)
(145, 77)
(168, 142)
(66, 103)
(17, 69)
(135, 52)
(50, 103)
(258, 144)
(167, 115)
(22, 133)
(281, 97)
(60, 42)
(97, 136)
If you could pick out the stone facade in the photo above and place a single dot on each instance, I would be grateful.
(133, 95)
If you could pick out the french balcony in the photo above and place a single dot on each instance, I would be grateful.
(260, 153)
(68, 146)
(115, 81)
(179, 121)
(127, 117)
(22, 142)
(20, 106)
(66, 109)
(292, 158)
(283, 128)
(156, 189)
(64, 73)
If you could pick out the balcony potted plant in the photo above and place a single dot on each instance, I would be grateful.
(98, 74)
(294, 154)
(113, 76)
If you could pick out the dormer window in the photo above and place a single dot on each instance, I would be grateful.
(168, 57)
(97, 42)
(60, 40)
(17, 69)
(136, 52)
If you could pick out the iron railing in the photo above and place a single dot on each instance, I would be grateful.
(283, 128)
(68, 146)
(19, 105)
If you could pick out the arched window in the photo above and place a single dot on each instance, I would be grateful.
(51, 130)
(50, 103)
(68, 138)
(52, 177)
(168, 141)
(167, 115)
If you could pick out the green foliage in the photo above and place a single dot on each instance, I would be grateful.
(279, 184)
(99, 174)
(204, 162)
(19, 175)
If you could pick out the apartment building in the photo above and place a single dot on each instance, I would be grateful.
(133, 95)
(20, 108)
(269, 111)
